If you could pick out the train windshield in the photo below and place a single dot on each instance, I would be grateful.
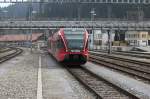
(75, 38)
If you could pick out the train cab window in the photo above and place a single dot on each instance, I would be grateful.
(75, 38)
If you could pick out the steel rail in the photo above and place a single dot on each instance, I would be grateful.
(121, 66)
(139, 62)
(5, 50)
(7, 57)
(127, 53)
(97, 85)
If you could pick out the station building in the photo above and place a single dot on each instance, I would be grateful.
(100, 38)
(138, 38)
(19, 39)
(122, 40)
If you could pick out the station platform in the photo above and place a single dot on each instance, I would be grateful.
(135, 87)
(145, 49)
(36, 75)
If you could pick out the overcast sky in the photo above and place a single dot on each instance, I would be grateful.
(4, 4)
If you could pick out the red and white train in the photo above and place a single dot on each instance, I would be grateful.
(69, 46)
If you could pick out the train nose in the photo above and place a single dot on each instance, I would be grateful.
(74, 57)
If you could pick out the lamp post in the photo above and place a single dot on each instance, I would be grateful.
(92, 21)
(31, 16)
(4, 19)
(109, 41)
(5, 14)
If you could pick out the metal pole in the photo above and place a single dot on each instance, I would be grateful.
(92, 31)
(92, 21)
(109, 42)
(31, 39)
(31, 27)
(140, 13)
(93, 38)
(79, 12)
(45, 36)
(109, 11)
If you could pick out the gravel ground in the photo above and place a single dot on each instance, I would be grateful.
(18, 77)
(59, 84)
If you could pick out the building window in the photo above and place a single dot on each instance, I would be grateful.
(135, 42)
(129, 36)
(93, 0)
(143, 35)
(125, 1)
(133, 35)
(119, 0)
(136, 1)
(147, 1)
(109, 0)
(104, 0)
(138, 35)
(141, 1)
(131, 1)
(143, 41)
(149, 33)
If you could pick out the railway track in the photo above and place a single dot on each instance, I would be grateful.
(130, 66)
(6, 55)
(98, 86)
(2, 50)
(126, 53)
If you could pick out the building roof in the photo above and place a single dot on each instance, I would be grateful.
(20, 37)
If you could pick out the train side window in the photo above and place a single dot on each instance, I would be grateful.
(60, 44)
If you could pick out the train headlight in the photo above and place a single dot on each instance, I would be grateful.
(66, 50)
(75, 50)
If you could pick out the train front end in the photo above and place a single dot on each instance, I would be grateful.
(76, 42)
